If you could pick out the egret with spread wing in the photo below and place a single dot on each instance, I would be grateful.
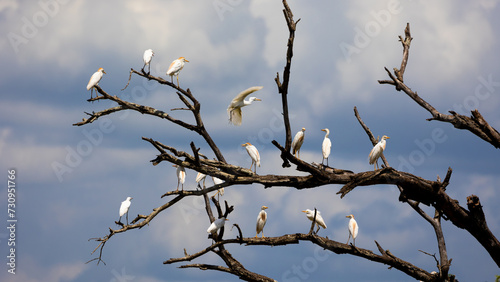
(234, 109)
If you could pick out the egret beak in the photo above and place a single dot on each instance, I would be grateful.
(257, 99)
(104, 71)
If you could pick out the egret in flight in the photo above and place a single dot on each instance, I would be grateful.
(353, 229)
(94, 80)
(326, 146)
(148, 55)
(254, 154)
(377, 152)
(297, 142)
(181, 176)
(234, 109)
(261, 221)
(124, 208)
(319, 218)
(175, 68)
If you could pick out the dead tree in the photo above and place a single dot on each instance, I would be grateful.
(414, 190)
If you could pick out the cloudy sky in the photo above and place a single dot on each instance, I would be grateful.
(71, 180)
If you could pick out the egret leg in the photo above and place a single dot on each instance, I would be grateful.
(177, 80)
(263, 234)
(149, 69)
(127, 218)
(348, 238)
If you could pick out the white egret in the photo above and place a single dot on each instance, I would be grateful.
(319, 219)
(326, 146)
(181, 176)
(254, 154)
(297, 142)
(353, 229)
(234, 109)
(216, 225)
(124, 208)
(199, 177)
(94, 80)
(261, 221)
(175, 68)
(218, 181)
(376, 152)
(148, 55)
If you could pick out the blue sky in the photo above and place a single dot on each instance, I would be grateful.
(51, 48)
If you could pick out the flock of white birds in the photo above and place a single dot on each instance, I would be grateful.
(235, 117)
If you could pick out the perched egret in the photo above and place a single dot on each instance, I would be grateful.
(148, 55)
(297, 142)
(261, 221)
(234, 109)
(94, 80)
(218, 181)
(124, 208)
(319, 218)
(216, 225)
(176, 67)
(353, 229)
(377, 152)
(199, 177)
(181, 176)
(254, 154)
(326, 147)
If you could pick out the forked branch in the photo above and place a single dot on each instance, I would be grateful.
(475, 123)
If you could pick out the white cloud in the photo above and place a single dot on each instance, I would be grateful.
(34, 272)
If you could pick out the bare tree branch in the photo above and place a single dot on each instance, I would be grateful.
(283, 86)
(475, 124)
(386, 257)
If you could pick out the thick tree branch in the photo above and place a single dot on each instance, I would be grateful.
(418, 190)
(386, 256)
